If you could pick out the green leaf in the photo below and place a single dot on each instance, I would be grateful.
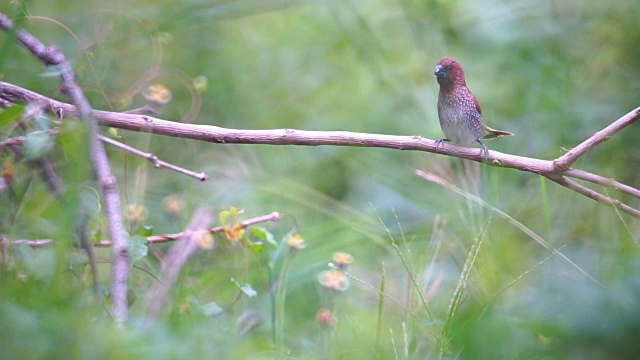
(11, 114)
(209, 310)
(264, 234)
(113, 132)
(145, 230)
(246, 288)
(138, 248)
(224, 216)
(256, 247)
(37, 145)
(77, 259)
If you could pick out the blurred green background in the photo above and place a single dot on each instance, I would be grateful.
(552, 72)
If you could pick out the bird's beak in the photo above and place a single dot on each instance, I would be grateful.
(439, 71)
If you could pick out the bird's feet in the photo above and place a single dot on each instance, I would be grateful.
(484, 150)
(440, 141)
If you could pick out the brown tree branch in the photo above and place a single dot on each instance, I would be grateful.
(53, 56)
(599, 180)
(566, 160)
(274, 216)
(581, 189)
(548, 168)
(154, 239)
(153, 158)
(157, 163)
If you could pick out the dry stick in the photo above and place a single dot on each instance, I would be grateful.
(581, 189)
(274, 216)
(157, 163)
(21, 139)
(53, 56)
(33, 243)
(18, 140)
(600, 180)
(553, 170)
(154, 239)
(176, 257)
(564, 161)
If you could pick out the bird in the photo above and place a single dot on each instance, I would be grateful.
(459, 112)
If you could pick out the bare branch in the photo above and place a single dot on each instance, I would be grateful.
(581, 189)
(157, 163)
(548, 168)
(566, 160)
(600, 180)
(33, 243)
(154, 159)
(274, 216)
(215, 134)
(53, 56)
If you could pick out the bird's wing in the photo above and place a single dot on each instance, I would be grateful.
(475, 102)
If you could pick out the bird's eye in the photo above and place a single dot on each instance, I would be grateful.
(449, 68)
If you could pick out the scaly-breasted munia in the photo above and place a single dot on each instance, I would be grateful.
(459, 111)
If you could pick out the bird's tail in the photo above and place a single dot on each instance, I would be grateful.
(493, 133)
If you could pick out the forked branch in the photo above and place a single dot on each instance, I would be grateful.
(557, 170)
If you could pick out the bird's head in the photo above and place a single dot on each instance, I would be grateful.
(449, 72)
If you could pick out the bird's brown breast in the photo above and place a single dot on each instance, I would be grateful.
(460, 120)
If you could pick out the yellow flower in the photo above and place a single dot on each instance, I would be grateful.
(296, 242)
(334, 280)
(8, 171)
(157, 94)
(234, 232)
(135, 213)
(173, 205)
(342, 259)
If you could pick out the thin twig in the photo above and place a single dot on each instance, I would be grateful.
(274, 216)
(32, 243)
(566, 160)
(157, 163)
(19, 140)
(52, 56)
(154, 239)
(600, 180)
(581, 189)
